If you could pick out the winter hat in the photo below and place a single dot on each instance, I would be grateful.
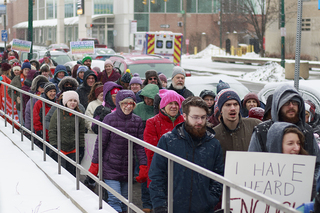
(250, 95)
(226, 95)
(151, 73)
(86, 58)
(60, 68)
(70, 80)
(206, 92)
(126, 77)
(108, 61)
(178, 70)
(168, 96)
(37, 63)
(312, 109)
(268, 106)
(47, 54)
(11, 58)
(256, 112)
(97, 69)
(98, 90)
(135, 79)
(5, 67)
(30, 77)
(16, 66)
(222, 85)
(26, 64)
(49, 86)
(82, 69)
(163, 78)
(68, 95)
(115, 90)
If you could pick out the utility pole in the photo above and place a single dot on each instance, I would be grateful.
(283, 34)
(184, 13)
(30, 27)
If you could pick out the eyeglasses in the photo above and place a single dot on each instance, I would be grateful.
(154, 78)
(294, 103)
(202, 118)
(128, 104)
(90, 78)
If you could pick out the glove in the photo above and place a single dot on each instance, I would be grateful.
(160, 209)
(94, 169)
(40, 133)
(143, 174)
(90, 183)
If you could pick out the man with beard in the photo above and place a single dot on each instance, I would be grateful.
(287, 106)
(233, 132)
(189, 140)
(177, 84)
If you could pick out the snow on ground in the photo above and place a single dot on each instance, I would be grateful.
(271, 72)
(209, 51)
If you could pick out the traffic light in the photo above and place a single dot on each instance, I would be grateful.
(89, 25)
(165, 0)
(80, 7)
(144, 2)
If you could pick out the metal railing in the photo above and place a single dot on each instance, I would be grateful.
(99, 180)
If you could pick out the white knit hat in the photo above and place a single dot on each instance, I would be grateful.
(68, 95)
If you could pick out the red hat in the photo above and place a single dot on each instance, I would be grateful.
(115, 90)
(11, 57)
(256, 112)
(250, 95)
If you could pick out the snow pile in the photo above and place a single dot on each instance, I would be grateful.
(251, 55)
(207, 52)
(271, 72)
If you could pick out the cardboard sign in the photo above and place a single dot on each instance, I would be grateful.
(285, 178)
(21, 45)
(89, 140)
(82, 47)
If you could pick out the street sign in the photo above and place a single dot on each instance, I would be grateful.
(164, 25)
(4, 35)
(187, 41)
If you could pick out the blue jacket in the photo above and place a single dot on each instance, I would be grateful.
(192, 191)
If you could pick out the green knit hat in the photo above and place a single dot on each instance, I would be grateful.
(86, 58)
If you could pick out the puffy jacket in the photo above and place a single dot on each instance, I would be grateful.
(84, 89)
(27, 122)
(155, 128)
(192, 191)
(37, 115)
(67, 127)
(103, 77)
(90, 111)
(115, 147)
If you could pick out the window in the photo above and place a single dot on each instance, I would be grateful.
(49, 9)
(169, 45)
(159, 43)
(157, 7)
(306, 24)
(174, 6)
(216, 6)
(103, 7)
(191, 6)
(204, 6)
(143, 22)
(139, 7)
(68, 8)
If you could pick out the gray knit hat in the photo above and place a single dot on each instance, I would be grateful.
(178, 70)
(49, 86)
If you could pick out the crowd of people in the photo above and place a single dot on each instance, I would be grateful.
(200, 129)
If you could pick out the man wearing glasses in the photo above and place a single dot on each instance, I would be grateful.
(233, 132)
(178, 78)
(192, 141)
(287, 106)
(152, 78)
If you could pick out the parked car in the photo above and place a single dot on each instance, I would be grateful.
(94, 63)
(142, 63)
(308, 89)
(102, 53)
(57, 56)
(198, 83)
(59, 47)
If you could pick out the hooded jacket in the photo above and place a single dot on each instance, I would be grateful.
(142, 109)
(192, 191)
(67, 79)
(280, 96)
(155, 128)
(84, 89)
(55, 80)
(115, 147)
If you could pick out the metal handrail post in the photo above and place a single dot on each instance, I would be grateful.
(5, 105)
(59, 140)
(44, 130)
(77, 151)
(170, 186)
(100, 164)
(227, 199)
(21, 116)
(130, 170)
(31, 115)
(12, 111)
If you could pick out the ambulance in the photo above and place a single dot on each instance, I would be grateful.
(164, 43)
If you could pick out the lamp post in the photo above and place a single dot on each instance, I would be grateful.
(30, 26)
(283, 34)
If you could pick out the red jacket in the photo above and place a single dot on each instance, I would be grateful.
(37, 117)
(155, 128)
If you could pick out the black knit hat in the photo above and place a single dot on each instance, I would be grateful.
(49, 86)
(126, 77)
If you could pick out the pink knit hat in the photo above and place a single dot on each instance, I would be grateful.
(168, 96)
(68, 95)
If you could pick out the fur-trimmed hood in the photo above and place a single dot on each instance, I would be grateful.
(68, 79)
(36, 81)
